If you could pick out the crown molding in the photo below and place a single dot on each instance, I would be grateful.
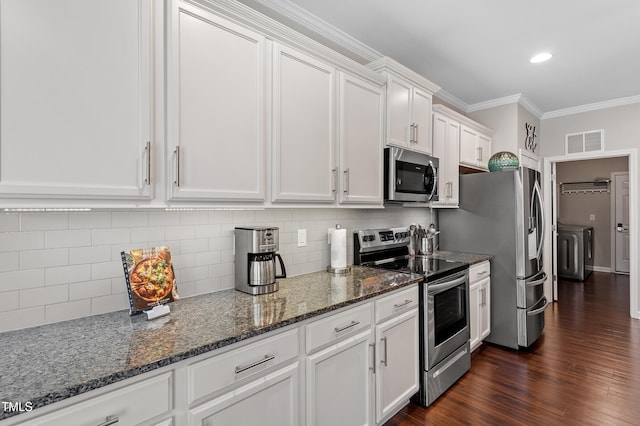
(447, 97)
(311, 22)
(386, 64)
(507, 100)
(591, 107)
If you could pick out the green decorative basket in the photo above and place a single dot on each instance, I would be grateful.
(503, 160)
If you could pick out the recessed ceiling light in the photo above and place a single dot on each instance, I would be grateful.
(540, 57)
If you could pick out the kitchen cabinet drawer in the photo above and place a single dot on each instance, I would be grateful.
(397, 302)
(130, 405)
(337, 326)
(218, 372)
(479, 271)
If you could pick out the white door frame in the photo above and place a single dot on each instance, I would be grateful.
(549, 261)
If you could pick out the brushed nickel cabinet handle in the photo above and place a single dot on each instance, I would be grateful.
(346, 181)
(373, 352)
(147, 148)
(177, 153)
(400, 305)
(417, 134)
(334, 172)
(384, 361)
(109, 420)
(241, 368)
(346, 327)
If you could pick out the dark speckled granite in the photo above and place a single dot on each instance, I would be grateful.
(49, 363)
(470, 258)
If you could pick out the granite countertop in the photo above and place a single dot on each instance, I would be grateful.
(49, 363)
(470, 258)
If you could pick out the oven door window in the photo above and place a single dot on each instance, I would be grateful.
(413, 178)
(450, 313)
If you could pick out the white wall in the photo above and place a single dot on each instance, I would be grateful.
(60, 266)
(502, 120)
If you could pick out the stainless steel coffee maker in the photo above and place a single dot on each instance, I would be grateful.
(256, 255)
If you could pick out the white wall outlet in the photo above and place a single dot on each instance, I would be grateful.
(302, 237)
(592, 217)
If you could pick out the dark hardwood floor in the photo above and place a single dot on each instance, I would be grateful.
(584, 370)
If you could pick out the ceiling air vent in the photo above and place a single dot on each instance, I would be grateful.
(584, 142)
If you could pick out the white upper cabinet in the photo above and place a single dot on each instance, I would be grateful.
(216, 107)
(303, 120)
(361, 134)
(409, 98)
(475, 145)
(76, 102)
(446, 147)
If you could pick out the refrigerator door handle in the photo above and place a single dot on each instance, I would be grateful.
(538, 281)
(537, 191)
(540, 310)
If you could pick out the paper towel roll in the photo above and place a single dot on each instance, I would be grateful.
(338, 248)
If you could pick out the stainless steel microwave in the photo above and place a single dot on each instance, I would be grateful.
(410, 176)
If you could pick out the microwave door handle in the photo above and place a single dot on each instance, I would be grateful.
(435, 180)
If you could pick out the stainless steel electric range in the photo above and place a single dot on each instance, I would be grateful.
(444, 306)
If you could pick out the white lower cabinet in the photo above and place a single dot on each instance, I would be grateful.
(270, 400)
(135, 404)
(339, 383)
(397, 357)
(479, 303)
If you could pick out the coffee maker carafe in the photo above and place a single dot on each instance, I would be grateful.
(256, 254)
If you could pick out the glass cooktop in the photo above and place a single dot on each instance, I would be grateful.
(432, 268)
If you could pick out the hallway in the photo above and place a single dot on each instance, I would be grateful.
(585, 369)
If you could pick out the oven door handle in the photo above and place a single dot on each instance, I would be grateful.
(434, 288)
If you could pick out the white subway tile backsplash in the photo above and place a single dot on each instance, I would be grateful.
(67, 310)
(221, 269)
(68, 238)
(33, 259)
(104, 270)
(110, 236)
(18, 280)
(221, 216)
(208, 231)
(69, 263)
(194, 218)
(129, 219)
(221, 243)
(9, 261)
(9, 300)
(192, 274)
(104, 304)
(207, 258)
(89, 220)
(44, 221)
(9, 222)
(184, 232)
(18, 241)
(89, 289)
(208, 286)
(195, 246)
(94, 254)
(67, 274)
(22, 318)
(42, 296)
(164, 218)
(147, 234)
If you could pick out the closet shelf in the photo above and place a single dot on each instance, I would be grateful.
(591, 187)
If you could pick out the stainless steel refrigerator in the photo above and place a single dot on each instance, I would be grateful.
(501, 213)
